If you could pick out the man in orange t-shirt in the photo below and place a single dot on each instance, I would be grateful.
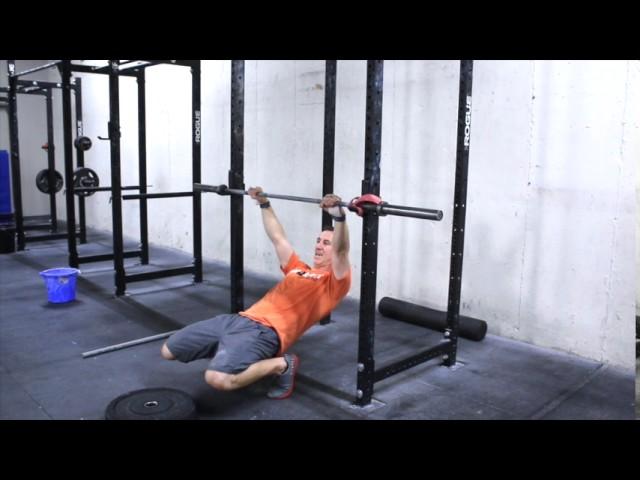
(254, 343)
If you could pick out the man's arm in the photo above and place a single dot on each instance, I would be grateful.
(340, 261)
(340, 242)
(274, 229)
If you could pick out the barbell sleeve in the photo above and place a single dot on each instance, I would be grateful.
(430, 215)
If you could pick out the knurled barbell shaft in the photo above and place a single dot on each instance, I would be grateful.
(383, 209)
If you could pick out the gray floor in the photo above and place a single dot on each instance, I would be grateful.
(43, 374)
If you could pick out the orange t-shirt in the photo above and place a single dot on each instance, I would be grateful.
(304, 297)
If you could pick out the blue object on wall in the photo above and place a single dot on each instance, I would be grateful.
(5, 186)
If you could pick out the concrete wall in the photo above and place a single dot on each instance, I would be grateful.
(552, 195)
(555, 163)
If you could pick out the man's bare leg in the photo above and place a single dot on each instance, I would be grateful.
(229, 381)
(166, 353)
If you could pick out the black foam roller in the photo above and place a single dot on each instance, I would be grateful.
(470, 328)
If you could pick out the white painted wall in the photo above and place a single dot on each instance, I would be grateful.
(552, 194)
(558, 251)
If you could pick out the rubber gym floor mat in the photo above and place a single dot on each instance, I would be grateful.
(44, 375)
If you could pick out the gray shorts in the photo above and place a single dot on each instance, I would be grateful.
(233, 343)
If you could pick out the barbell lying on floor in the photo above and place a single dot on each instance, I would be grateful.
(132, 343)
(368, 202)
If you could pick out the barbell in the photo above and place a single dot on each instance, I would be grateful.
(366, 203)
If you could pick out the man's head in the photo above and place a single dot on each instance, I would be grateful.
(324, 249)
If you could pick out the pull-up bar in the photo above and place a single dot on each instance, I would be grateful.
(380, 209)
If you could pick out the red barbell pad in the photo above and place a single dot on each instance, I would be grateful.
(366, 198)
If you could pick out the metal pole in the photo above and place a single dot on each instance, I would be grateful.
(196, 168)
(459, 208)
(106, 189)
(328, 153)
(116, 199)
(80, 157)
(15, 155)
(236, 179)
(142, 166)
(370, 184)
(65, 73)
(51, 163)
(132, 343)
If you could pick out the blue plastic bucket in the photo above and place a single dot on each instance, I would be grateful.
(61, 284)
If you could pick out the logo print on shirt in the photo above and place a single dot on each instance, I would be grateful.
(309, 275)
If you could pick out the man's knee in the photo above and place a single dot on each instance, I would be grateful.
(219, 380)
(166, 353)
